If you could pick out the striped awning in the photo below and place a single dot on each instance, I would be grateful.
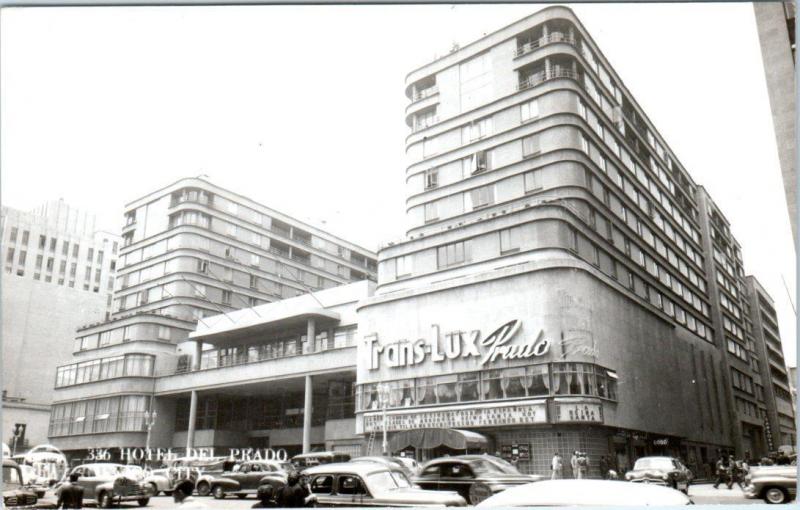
(456, 439)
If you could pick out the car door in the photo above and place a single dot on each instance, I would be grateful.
(458, 477)
(351, 491)
(253, 477)
(321, 486)
(89, 481)
(429, 477)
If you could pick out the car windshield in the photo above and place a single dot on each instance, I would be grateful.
(505, 465)
(388, 480)
(108, 470)
(11, 476)
(653, 463)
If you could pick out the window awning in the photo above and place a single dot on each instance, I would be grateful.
(456, 439)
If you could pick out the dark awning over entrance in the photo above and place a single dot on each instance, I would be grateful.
(432, 438)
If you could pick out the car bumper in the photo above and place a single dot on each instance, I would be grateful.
(650, 481)
(750, 492)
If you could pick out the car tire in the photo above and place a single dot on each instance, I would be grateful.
(152, 488)
(218, 491)
(241, 496)
(478, 492)
(776, 495)
(203, 489)
(105, 500)
(143, 501)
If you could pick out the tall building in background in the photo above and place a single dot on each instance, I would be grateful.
(58, 274)
(189, 251)
(777, 390)
(559, 285)
(776, 32)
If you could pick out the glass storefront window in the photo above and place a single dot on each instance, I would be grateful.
(538, 380)
(446, 389)
(426, 390)
(468, 387)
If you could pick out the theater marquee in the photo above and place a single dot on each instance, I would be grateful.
(521, 413)
(457, 344)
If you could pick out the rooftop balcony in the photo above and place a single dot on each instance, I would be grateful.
(553, 37)
(538, 77)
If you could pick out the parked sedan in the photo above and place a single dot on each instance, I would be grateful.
(244, 479)
(586, 493)
(773, 484)
(474, 477)
(666, 471)
(388, 461)
(108, 484)
(371, 484)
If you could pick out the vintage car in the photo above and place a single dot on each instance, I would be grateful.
(192, 468)
(15, 494)
(305, 460)
(109, 484)
(33, 481)
(773, 484)
(371, 484)
(243, 479)
(586, 493)
(666, 471)
(474, 477)
(388, 461)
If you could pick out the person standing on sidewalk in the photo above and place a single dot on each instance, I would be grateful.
(557, 466)
(722, 472)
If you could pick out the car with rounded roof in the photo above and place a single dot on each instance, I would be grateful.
(15, 494)
(773, 484)
(244, 479)
(371, 484)
(388, 461)
(586, 493)
(474, 477)
(109, 484)
(667, 471)
(305, 460)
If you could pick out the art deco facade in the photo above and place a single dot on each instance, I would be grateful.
(190, 250)
(545, 208)
(58, 273)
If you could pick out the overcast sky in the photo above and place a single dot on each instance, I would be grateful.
(302, 108)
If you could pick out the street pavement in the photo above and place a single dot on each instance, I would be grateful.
(702, 494)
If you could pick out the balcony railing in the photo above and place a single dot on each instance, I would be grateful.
(542, 76)
(553, 37)
(425, 123)
(422, 94)
(286, 350)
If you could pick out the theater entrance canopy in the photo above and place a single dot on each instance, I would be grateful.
(426, 439)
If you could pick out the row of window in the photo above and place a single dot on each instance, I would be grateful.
(129, 365)
(598, 257)
(732, 328)
(123, 334)
(741, 381)
(114, 414)
(747, 408)
(238, 355)
(263, 221)
(737, 349)
(730, 305)
(519, 382)
(49, 277)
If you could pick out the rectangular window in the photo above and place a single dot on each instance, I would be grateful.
(533, 181)
(476, 130)
(453, 254)
(75, 248)
(431, 178)
(510, 240)
(164, 333)
(404, 265)
(53, 242)
(255, 260)
(42, 242)
(481, 161)
(481, 197)
(199, 290)
(531, 146)
(13, 236)
(226, 297)
(25, 235)
(90, 255)
(253, 281)
(529, 110)
(431, 212)
(10, 256)
(202, 266)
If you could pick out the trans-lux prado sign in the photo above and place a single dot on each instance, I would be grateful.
(501, 344)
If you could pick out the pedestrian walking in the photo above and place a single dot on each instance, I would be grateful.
(557, 467)
(293, 494)
(182, 496)
(70, 495)
(736, 473)
(583, 465)
(722, 472)
(603, 468)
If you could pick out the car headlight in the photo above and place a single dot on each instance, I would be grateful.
(628, 476)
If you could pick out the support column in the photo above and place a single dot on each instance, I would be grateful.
(198, 354)
(311, 333)
(307, 415)
(547, 68)
(192, 420)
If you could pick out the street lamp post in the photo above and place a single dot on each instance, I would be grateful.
(383, 398)
(149, 422)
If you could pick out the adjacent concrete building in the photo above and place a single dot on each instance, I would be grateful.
(190, 250)
(58, 274)
(776, 392)
(776, 33)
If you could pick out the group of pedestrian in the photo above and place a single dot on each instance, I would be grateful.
(579, 462)
(731, 471)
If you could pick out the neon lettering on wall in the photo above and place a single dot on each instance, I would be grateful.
(457, 344)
